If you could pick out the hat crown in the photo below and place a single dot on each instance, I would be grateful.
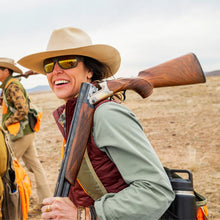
(68, 37)
(7, 60)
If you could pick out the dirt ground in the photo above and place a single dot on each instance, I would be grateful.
(182, 123)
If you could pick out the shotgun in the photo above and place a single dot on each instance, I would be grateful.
(184, 70)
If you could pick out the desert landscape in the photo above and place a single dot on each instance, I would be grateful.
(182, 124)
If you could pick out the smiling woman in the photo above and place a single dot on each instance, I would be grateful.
(118, 150)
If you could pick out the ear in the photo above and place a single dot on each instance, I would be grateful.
(89, 75)
(6, 73)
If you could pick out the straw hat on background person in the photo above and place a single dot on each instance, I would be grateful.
(9, 64)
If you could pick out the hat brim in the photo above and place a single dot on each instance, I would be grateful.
(103, 53)
(11, 66)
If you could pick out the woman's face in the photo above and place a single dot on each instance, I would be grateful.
(65, 83)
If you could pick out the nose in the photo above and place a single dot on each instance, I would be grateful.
(57, 69)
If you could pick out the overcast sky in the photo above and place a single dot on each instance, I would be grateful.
(146, 32)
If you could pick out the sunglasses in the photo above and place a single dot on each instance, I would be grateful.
(65, 62)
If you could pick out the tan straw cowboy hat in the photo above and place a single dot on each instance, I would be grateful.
(73, 41)
(9, 64)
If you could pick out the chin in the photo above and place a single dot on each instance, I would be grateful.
(61, 96)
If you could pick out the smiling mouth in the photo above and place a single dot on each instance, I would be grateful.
(61, 82)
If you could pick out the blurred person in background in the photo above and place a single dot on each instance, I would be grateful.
(15, 108)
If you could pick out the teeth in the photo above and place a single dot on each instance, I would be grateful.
(60, 82)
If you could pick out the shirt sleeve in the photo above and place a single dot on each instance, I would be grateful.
(118, 132)
(16, 96)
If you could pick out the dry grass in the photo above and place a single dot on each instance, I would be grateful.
(182, 123)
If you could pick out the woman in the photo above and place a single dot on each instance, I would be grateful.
(136, 184)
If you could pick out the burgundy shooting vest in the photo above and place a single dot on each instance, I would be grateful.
(105, 169)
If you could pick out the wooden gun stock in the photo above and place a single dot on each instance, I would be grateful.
(184, 70)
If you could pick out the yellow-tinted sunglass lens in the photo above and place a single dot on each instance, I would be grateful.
(68, 63)
(48, 67)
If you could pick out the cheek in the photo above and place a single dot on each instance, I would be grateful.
(49, 79)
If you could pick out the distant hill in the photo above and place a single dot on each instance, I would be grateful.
(213, 73)
(39, 88)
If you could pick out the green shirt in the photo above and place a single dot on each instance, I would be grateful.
(118, 132)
